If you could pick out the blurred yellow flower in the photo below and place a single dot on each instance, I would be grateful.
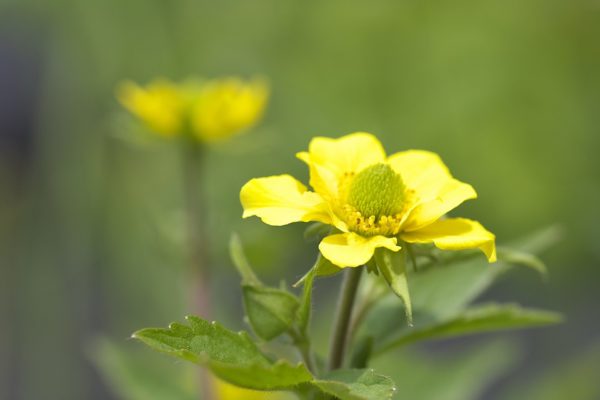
(210, 111)
(374, 200)
(159, 105)
(227, 106)
(227, 391)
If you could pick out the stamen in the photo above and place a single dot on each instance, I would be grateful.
(386, 225)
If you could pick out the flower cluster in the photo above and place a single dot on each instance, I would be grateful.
(210, 111)
(370, 200)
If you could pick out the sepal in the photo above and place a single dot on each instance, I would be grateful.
(316, 231)
(392, 266)
(270, 311)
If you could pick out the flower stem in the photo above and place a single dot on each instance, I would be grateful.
(345, 304)
(363, 308)
(197, 246)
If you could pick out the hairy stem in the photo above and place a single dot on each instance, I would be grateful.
(343, 313)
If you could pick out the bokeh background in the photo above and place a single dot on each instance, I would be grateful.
(508, 92)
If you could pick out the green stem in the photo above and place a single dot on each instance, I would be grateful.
(363, 308)
(343, 316)
(197, 245)
(302, 343)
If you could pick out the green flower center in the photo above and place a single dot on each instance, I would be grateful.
(377, 191)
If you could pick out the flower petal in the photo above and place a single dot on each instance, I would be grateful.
(432, 189)
(331, 159)
(449, 196)
(455, 234)
(323, 180)
(352, 250)
(281, 200)
(349, 153)
(422, 171)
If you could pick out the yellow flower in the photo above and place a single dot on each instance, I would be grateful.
(228, 106)
(159, 105)
(227, 391)
(373, 200)
(210, 111)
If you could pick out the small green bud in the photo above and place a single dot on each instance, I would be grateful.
(377, 191)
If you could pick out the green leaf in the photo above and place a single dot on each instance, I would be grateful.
(356, 384)
(324, 267)
(270, 311)
(392, 266)
(305, 308)
(539, 240)
(231, 356)
(280, 375)
(321, 267)
(362, 353)
(437, 293)
(316, 231)
(517, 257)
(447, 288)
(443, 290)
(371, 266)
(236, 252)
(464, 374)
(483, 318)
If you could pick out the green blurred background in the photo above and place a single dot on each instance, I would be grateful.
(508, 92)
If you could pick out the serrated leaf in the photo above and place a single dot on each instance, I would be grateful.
(356, 384)
(201, 341)
(270, 311)
(231, 356)
(392, 266)
(483, 318)
(238, 257)
(280, 375)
